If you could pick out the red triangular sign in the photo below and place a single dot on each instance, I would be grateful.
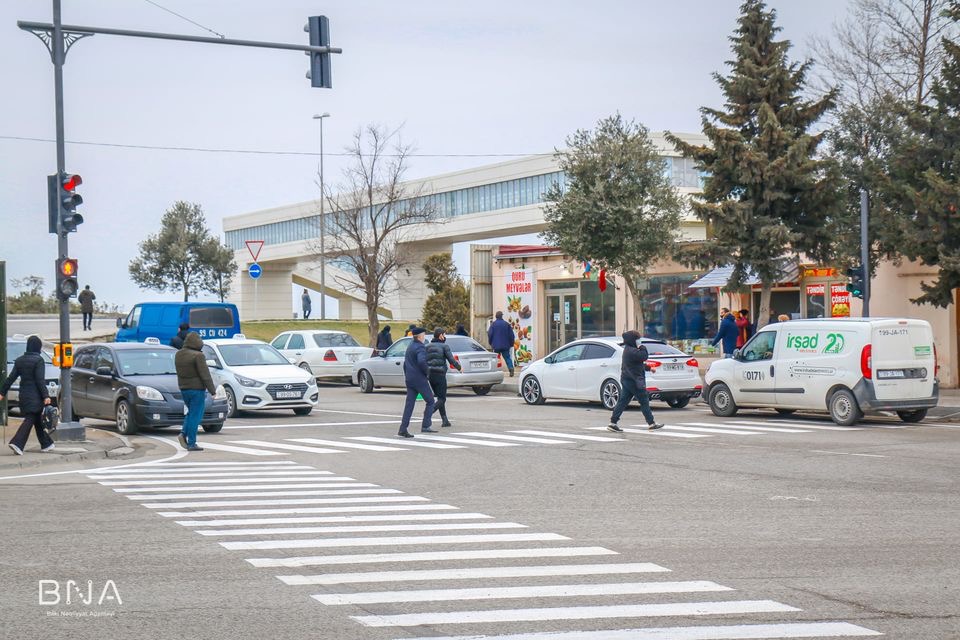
(254, 247)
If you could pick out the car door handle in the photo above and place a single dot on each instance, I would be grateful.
(397, 363)
(297, 353)
(91, 379)
(771, 371)
(571, 368)
(604, 365)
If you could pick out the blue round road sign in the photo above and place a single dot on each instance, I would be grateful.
(255, 271)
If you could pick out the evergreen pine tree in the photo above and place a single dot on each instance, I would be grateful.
(766, 195)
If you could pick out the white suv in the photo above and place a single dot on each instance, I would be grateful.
(256, 377)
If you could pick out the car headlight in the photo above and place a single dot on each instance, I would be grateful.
(312, 382)
(249, 382)
(148, 393)
(221, 393)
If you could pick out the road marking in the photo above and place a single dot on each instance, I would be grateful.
(473, 573)
(233, 487)
(391, 541)
(503, 436)
(306, 510)
(244, 450)
(658, 432)
(568, 435)
(295, 425)
(348, 445)
(576, 613)
(262, 494)
(406, 517)
(795, 423)
(742, 426)
(457, 438)
(497, 593)
(844, 453)
(432, 556)
(253, 503)
(720, 632)
(719, 430)
(453, 526)
(233, 474)
(408, 442)
(209, 481)
(152, 466)
(286, 447)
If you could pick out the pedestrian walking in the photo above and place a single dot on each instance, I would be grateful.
(193, 378)
(29, 368)
(417, 376)
(86, 299)
(439, 356)
(633, 382)
(744, 329)
(727, 335)
(461, 330)
(306, 303)
(501, 337)
(177, 340)
(384, 339)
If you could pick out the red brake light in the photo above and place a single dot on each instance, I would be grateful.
(692, 362)
(652, 389)
(330, 356)
(457, 358)
(866, 362)
(653, 364)
(499, 362)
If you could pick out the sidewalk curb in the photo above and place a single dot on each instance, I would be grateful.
(110, 446)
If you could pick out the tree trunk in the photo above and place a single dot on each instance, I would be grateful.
(763, 313)
(186, 292)
(373, 320)
(637, 309)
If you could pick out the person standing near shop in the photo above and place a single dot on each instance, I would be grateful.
(306, 303)
(416, 372)
(501, 337)
(384, 339)
(744, 329)
(86, 299)
(439, 356)
(194, 380)
(30, 369)
(727, 335)
(461, 330)
(633, 382)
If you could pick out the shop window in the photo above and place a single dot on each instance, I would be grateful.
(597, 310)
(815, 300)
(685, 318)
(781, 302)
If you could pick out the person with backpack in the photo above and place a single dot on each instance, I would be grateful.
(30, 369)
(633, 382)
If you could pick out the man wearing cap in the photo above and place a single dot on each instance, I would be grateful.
(417, 375)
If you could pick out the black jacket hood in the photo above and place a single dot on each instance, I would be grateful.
(630, 338)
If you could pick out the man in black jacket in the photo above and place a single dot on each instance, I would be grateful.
(439, 356)
(30, 368)
(177, 340)
(633, 382)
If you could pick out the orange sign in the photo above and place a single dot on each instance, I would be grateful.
(819, 272)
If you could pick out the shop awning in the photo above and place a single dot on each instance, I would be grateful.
(719, 277)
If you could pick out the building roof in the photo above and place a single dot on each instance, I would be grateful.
(719, 277)
(526, 251)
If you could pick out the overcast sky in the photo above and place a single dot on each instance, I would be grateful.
(463, 78)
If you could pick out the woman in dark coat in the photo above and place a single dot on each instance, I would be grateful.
(30, 369)
(384, 339)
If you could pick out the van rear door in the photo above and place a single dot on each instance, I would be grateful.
(903, 364)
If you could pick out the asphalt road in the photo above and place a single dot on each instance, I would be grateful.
(758, 527)
(49, 328)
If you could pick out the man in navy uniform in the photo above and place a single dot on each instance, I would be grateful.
(417, 374)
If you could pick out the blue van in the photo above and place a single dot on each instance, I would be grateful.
(162, 320)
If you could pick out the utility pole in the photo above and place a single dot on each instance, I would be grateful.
(323, 227)
(865, 249)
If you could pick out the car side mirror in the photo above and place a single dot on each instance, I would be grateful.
(212, 363)
(119, 323)
(383, 354)
(737, 354)
(292, 360)
(548, 359)
(104, 371)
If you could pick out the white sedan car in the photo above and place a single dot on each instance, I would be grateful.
(589, 369)
(257, 377)
(327, 354)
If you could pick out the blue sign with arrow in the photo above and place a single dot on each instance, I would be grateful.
(255, 271)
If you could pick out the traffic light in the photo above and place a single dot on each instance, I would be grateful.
(67, 284)
(855, 286)
(62, 202)
(319, 29)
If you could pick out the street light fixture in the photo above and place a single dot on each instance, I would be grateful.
(323, 224)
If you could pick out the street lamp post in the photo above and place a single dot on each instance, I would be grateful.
(323, 224)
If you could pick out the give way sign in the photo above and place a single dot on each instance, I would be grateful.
(254, 247)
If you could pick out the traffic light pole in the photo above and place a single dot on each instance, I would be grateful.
(865, 249)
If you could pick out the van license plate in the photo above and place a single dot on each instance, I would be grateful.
(886, 374)
(288, 394)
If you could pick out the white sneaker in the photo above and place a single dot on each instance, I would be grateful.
(17, 450)
(50, 448)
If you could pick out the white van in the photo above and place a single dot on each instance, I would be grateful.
(844, 366)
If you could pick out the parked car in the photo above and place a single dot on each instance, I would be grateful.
(257, 377)
(481, 368)
(327, 354)
(162, 320)
(16, 346)
(589, 369)
(135, 385)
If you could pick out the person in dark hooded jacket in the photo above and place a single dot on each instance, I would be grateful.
(384, 339)
(633, 381)
(30, 369)
(177, 340)
(194, 380)
(727, 335)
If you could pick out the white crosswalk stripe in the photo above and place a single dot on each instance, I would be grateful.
(259, 493)
(700, 632)
(348, 445)
(568, 436)
(252, 503)
(407, 517)
(711, 429)
(307, 510)
(456, 439)
(274, 531)
(658, 432)
(431, 556)
(409, 442)
(244, 450)
(238, 487)
(503, 436)
(286, 447)
(390, 541)
(167, 485)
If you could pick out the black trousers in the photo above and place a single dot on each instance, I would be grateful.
(31, 420)
(438, 382)
(628, 392)
(415, 387)
(87, 320)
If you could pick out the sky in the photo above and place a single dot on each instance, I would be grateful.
(462, 79)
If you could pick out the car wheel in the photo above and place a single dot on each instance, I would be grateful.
(213, 428)
(365, 380)
(912, 416)
(126, 422)
(306, 367)
(721, 401)
(844, 409)
(786, 412)
(231, 402)
(531, 392)
(678, 403)
(303, 411)
(482, 391)
(610, 394)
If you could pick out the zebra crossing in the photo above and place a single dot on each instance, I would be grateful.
(400, 562)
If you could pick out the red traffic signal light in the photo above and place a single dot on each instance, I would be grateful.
(68, 267)
(71, 182)
(69, 200)
(67, 283)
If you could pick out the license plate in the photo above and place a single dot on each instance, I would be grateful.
(483, 364)
(891, 373)
(674, 367)
(352, 357)
(288, 394)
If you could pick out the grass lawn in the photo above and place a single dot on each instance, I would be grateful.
(267, 330)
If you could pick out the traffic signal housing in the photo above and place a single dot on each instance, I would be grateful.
(67, 283)
(319, 29)
(856, 284)
(62, 202)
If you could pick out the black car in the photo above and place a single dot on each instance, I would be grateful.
(135, 385)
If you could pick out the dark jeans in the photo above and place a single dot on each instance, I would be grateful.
(438, 382)
(413, 388)
(195, 399)
(306, 312)
(31, 420)
(88, 320)
(628, 392)
(505, 354)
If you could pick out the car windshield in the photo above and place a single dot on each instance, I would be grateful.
(146, 362)
(461, 344)
(661, 349)
(17, 349)
(240, 355)
(326, 340)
